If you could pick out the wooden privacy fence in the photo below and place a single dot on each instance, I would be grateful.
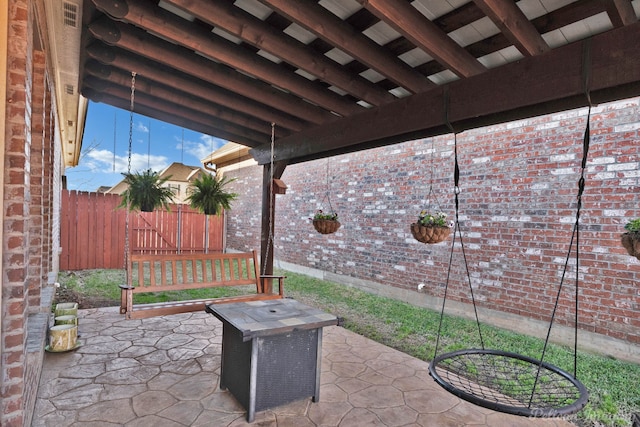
(92, 231)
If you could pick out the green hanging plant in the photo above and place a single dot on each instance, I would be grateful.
(631, 239)
(146, 192)
(207, 194)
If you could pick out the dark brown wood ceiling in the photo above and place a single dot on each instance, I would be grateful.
(341, 75)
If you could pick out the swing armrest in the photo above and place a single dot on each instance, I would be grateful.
(280, 283)
(126, 292)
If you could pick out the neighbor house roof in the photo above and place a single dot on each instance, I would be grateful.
(176, 172)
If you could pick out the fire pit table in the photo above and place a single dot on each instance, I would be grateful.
(271, 351)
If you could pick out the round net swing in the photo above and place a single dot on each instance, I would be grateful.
(509, 382)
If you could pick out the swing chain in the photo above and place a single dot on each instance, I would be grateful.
(126, 224)
(271, 202)
(131, 106)
(328, 192)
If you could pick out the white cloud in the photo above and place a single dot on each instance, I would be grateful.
(141, 127)
(103, 161)
(201, 149)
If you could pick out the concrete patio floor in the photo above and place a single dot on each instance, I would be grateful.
(164, 372)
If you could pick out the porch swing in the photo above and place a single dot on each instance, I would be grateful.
(505, 381)
(187, 271)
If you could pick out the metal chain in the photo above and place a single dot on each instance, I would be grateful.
(126, 224)
(131, 106)
(328, 193)
(271, 201)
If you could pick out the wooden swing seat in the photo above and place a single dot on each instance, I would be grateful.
(162, 273)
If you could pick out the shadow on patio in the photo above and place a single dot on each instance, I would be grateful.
(165, 372)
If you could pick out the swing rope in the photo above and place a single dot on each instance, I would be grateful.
(456, 229)
(504, 381)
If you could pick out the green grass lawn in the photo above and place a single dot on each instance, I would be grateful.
(613, 385)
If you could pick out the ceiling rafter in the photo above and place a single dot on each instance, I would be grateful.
(534, 85)
(261, 35)
(324, 24)
(559, 18)
(139, 42)
(188, 112)
(621, 13)
(124, 60)
(515, 26)
(164, 114)
(183, 81)
(122, 78)
(158, 21)
(426, 35)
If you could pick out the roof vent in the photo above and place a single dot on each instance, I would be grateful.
(70, 14)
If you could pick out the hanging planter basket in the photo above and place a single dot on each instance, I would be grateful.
(631, 242)
(326, 226)
(429, 233)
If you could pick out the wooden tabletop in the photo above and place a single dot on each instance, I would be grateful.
(270, 317)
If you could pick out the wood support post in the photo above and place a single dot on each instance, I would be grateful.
(268, 217)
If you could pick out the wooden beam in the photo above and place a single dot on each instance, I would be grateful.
(329, 27)
(226, 130)
(167, 25)
(532, 86)
(97, 95)
(513, 23)
(122, 59)
(179, 99)
(140, 43)
(269, 213)
(621, 13)
(405, 19)
(263, 36)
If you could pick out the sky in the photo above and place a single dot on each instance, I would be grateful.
(154, 145)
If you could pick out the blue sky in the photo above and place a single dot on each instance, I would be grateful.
(154, 145)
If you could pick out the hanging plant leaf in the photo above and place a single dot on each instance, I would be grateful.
(207, 194)
(146, 192)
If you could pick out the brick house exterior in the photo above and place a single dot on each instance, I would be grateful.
(30, 188)
(518, 184)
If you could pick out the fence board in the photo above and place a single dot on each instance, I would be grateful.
(92, 231)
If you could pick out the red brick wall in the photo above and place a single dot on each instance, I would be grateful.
(16, 212)
(518, 184)
(26, 261)
(243, 220)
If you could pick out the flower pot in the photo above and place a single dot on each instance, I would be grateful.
(631, 242)
(68, 319)
(146, 207)
(66, 309)
(326, 226)
(63, 337)
(429, 234)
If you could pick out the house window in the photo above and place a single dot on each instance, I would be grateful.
(175, 188)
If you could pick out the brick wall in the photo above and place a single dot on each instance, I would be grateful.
(16, 212)
(26, 257)
(518, 185)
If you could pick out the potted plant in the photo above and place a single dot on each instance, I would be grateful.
(431, 228)
(631, 239)
(325, 223)
(207, 194)
(145, 191)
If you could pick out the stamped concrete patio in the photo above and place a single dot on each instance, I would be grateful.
(164, 372)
